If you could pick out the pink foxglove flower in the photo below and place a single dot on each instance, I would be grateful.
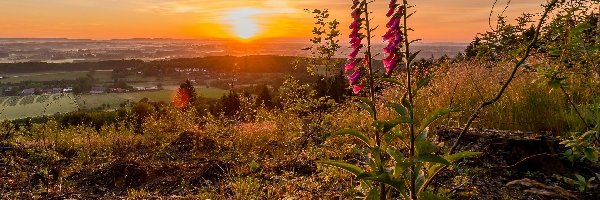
(357, 88)
(356, 45)
(393, 6)
(353, 79)
(390, 63)
(351, 65)
(353, 54)
(355, 4)
(393, 36)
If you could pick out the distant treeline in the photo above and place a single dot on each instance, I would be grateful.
(225, 64)
(33, 67)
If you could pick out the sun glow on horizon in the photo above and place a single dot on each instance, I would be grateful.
(243, 22)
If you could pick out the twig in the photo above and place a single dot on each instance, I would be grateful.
(451, 103)
(523, 160)
(562, 88)
(500, 93)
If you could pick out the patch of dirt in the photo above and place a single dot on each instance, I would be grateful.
(190, 142)
(118, 176)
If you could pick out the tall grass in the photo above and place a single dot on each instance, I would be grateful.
(528, 105)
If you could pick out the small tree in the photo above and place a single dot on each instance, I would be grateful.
(264, 97)
(185, 96)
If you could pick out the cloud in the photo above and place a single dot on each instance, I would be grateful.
(211, 7)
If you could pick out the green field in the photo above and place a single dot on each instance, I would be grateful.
(32, 106)
(17, 107)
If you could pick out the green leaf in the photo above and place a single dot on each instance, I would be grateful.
(376, 155)
(424, 147)
(397, 184)
(432, 117)
(461, 155)
(405, 102)
(555, 83)
(413, 56)
(354, 133)
(430, 158)
(373, 194)
(386, 125)
(419, 181)
(395, 153)
(422, 83)
(366, 105)
(400, 109)
(391, 81)
(345, 166)
(582, 27)
(591, 154)
(580, 178)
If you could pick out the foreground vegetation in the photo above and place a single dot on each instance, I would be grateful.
(397, 137)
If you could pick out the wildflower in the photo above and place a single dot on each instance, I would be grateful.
(390, 63)
(355, 4)
(353, 54)
(353, 79)
(357, 88)
(393, 36)
(393, 6)
(351, 65)
(356, 45)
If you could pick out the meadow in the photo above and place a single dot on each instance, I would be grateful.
(17, 107)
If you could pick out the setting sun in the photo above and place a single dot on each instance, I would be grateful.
(243, 22)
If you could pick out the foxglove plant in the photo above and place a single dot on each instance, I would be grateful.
(393, 37)
(408, 175)
(356, 44)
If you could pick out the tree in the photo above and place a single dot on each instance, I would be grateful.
(231, 104)
(264, 97)
(185, 96)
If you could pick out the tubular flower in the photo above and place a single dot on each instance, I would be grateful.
(393, 36)
(390, 63)
(353, 79)
(355, 4)
(356, 45)
(353, 54)
(357, 88)
(351, 65)
(393, 6)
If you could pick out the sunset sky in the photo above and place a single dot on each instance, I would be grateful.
(436, 20)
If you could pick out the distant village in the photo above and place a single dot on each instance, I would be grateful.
(48, 89)
(94, 90)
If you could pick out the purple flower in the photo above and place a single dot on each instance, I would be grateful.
(392, 47)
(355, 25)
(393, 36)
(353, 79)
(393, 7)
(389, 35)
(391, 22)
(353, 54)
(390, 63)
(399, 37)
(355, 4)
(351, 65)
(356, 14)
(357, 88)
